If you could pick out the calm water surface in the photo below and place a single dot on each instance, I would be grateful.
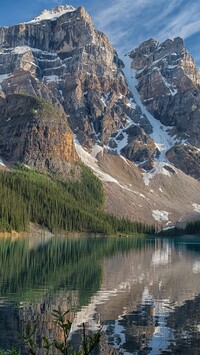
(145, 291)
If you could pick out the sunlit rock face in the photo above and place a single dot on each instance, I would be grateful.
(34, 132)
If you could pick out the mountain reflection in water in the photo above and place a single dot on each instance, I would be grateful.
(145, 291)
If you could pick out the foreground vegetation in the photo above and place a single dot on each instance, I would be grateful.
(27, 195)
(48, 346)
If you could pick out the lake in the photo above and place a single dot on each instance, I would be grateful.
(145, 292)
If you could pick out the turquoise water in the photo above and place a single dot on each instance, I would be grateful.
(144, 291)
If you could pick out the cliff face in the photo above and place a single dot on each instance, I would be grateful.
(168, 83)
(34, 132)
(185, 158)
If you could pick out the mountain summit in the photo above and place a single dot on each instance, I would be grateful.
(168, 83)
(53, 14)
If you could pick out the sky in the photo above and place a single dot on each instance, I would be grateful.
(126, 22)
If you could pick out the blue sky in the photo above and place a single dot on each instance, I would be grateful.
(126, 22)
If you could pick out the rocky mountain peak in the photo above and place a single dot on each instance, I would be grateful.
(142, 54)
(169, 60)
(54, 13)
(167, 80)
(69, 61)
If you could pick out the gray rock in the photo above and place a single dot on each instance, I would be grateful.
(186, 158)
(140, 148)
(168, 83)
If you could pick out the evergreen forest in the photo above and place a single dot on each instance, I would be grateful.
(28, 196)
(191, 228)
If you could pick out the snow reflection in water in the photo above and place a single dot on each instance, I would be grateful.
(145, 292)
(158, 280)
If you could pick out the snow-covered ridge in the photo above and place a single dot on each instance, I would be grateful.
(53, 14)
(160, 135)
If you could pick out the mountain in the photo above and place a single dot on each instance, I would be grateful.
(134, 121)
(168, 83)
(60, 56)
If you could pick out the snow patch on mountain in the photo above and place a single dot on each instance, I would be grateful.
(52, 78)
(96, 150)
(53, 14)
(21, 49)
(160, 135)
(24, 49)
(160, 215)
(91, 161)
(173, 91)
(159, 168)
(121, 139)
(196, 207)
